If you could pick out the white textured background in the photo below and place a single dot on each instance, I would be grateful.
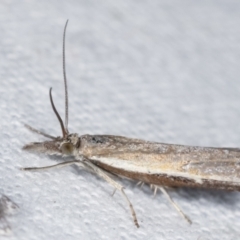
(166, 72)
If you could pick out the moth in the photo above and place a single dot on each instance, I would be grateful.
(158, 164)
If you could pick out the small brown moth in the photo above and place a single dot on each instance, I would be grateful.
(158, 164)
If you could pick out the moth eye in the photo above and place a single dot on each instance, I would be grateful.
(67, 148)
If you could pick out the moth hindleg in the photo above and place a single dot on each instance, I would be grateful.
(164, 191)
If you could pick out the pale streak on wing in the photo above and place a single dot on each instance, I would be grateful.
(196, 163)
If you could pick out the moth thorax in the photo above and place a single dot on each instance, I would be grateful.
(74, 139)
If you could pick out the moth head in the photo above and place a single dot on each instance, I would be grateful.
(58, 145)
(68, 146)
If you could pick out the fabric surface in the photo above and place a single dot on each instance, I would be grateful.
(154, 70)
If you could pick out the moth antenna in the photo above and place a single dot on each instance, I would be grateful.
(57, 114)
(65, 80)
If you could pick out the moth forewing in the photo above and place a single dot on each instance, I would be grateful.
(164, 164)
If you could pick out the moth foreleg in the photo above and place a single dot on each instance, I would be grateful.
(100, 172)
(59, 165)
(34, 130)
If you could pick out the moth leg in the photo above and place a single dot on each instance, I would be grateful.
(179, 210)
(113, 192)
(59, 165)
(34, 130)
(115, 184)
(154, 188)
(140, 183)
(87, 164)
